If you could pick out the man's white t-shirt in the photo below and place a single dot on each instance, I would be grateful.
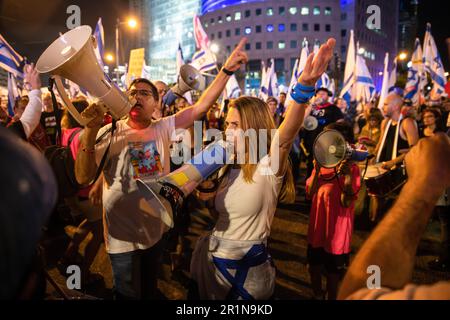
(246, 210)
(129, 222)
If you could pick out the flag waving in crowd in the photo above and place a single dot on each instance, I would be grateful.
(99, 35)
(10, 60)
(433, 62)
(412, 88)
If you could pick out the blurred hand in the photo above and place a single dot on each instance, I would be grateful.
(96, 113)
(316, 65)
(428, 165)
(96, 193)
(237, 57)
(388, 165)
(31, 77)
(344, 168)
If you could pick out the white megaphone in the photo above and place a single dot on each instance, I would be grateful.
(330, 149)
(72, 57)
(310, 123)
(189, 79)
(166, 195)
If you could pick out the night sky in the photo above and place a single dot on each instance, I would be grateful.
(31, 25)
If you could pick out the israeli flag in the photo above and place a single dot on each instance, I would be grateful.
(364, 86)
(13, 93)
(270, 85)
(232, 89)
(10, 60)
(262, 88)
(433, 62)
(298, 68)
(204, 60)
(393, 76)
(385, 85)
(413, 84)
(349, 73)
(99, 35)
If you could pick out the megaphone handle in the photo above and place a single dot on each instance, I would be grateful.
(73, 111)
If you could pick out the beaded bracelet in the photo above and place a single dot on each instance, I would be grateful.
(302, 94)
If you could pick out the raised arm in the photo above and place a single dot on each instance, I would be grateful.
(32, 114)
(85, 165)
(393, 245)
(314, 68)
(185, 118)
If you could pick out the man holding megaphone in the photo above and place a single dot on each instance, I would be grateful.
(139, 150)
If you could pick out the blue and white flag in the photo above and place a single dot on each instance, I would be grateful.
(262, 88)
(433, 62)
(364, 86)
(232, 89)
(413, 83)
(393, 76)
(99, 35)
(204, 60)
(349, 73)
(10, 60)
(385, 85)
(13, 93)
(270, 86)
(298, 68)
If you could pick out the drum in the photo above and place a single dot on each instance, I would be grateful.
(381, 182)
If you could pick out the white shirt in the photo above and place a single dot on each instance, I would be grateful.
(246, 210)
(130, 224)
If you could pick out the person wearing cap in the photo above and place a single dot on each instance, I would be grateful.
(326, 113)
(29, 192)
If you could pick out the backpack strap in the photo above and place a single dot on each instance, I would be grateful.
(103, 161)
(72, 136)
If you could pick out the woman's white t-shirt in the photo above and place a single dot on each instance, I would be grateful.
(246, 210)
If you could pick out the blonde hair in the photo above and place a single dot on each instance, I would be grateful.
(255, 115)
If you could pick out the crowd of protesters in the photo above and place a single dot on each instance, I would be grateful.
(244, 200)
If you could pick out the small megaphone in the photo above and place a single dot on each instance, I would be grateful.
(166, 195)
(330, 149)
(72, 56)
(189, 79)
(310, 123)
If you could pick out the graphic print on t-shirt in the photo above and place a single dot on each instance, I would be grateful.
(145, 159)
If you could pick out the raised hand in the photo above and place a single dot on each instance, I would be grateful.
(32, 77)
(96, 112)
(237, 57)
(317, 64)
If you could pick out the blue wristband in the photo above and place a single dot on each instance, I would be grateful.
(302, 94)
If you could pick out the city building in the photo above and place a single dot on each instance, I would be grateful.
(276, 29)
(165, 24)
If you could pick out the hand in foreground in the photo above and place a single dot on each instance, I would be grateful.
(237, 57)
(317, 64)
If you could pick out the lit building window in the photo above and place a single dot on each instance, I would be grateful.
(269, 28)
(328, 11)
(237, 16)
(206, 25)
(228, 18)
(269, 11)
(293, 10)
(305, 11)
(316, 11)
(219, 20)
(281, 27)
(281, 44)
(248, 30)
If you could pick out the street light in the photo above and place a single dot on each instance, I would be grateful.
(403, 56)
(132, 24)
(215, 48)
(109, 57)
